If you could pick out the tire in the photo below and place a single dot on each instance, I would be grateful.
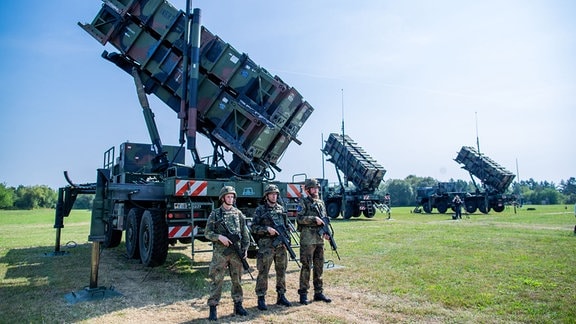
(442, 207)
(427, 209)
(153, 238)
(368, 214)
(470, 206)
(113, 237)
(349, 212)
(498, 208)
(132, 233)
(333, 209)
(483, 207)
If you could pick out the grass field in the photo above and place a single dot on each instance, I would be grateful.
(501, 267)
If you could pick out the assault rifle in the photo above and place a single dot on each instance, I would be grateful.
(283, 238)
(327, 229)
(236, 246)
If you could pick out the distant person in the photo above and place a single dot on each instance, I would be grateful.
(387, 204)
(312, 243)
(222, 223)
(270, 249)
(457, 203)
(574, 216)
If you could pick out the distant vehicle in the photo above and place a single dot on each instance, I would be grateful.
(494, 179)
(359, 168)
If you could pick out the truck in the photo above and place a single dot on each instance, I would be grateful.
(438, 197)
(148, 191)
(357, 167)
(489, 195)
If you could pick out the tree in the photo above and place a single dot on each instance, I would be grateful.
(400, 191)
(6, 196)
(83, 202)
(35, 197)
(569, 186)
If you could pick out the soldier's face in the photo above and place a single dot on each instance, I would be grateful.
(229, 199)
(272, 197)
(313, 191)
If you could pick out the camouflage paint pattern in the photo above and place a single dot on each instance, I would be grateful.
(269, 249)
(224, 258)
(311, 246)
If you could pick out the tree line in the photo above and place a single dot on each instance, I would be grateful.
(33, 197)
(403, 193)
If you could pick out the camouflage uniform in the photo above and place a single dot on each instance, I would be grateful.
(311, 246)
(224, 257)
(269, 247)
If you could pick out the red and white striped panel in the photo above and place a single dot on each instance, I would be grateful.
(191, 188)
(293, 191)
(179, 231)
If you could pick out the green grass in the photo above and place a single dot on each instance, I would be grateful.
(517, 267)
(501, 267)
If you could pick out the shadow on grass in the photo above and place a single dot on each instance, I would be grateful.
(33, 284)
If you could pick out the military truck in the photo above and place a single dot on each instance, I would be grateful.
(494, 179)
(148, 191)
(361, 170)
(491, 195)
(438, 197)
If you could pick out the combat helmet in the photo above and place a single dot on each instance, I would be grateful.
(311, 183)
(227, 190)
(270, 189)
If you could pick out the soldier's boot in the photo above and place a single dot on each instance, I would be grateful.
(304, 299)
(262, 303)
(213, 316)
(283, 301)
(239, 310)
(321, 297)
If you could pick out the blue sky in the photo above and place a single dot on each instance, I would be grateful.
(411, 78)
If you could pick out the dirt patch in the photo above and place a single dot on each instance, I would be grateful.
(151, 296)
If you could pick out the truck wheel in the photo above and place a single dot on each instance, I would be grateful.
(427, 209)
(333, 209)
(349, 211)
(369, 214)
(484, 209)
(442, 207)
(153, 238)
(113, 236)
(498, 208)
(470, 207)
(131, 236)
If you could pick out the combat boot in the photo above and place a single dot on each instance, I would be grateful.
(239, 310)
(321, 297)
(304, 299)
(262, 303)
(213, 316)
(283, 301)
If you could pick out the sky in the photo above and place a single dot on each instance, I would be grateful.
(413, 81)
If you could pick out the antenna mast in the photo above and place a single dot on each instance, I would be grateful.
(477, 138)
(343, 140)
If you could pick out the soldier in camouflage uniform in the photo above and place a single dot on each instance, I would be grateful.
(311, 243)
(223, 256)
(270, 248)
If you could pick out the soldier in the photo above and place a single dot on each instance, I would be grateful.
(457, 207)
(270, 248)
(387, 204)
(311, 243)
(226, 219)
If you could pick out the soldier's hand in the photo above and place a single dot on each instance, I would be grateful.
(326, 236)
(224, 240)
(272, 231)
(319, 221)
